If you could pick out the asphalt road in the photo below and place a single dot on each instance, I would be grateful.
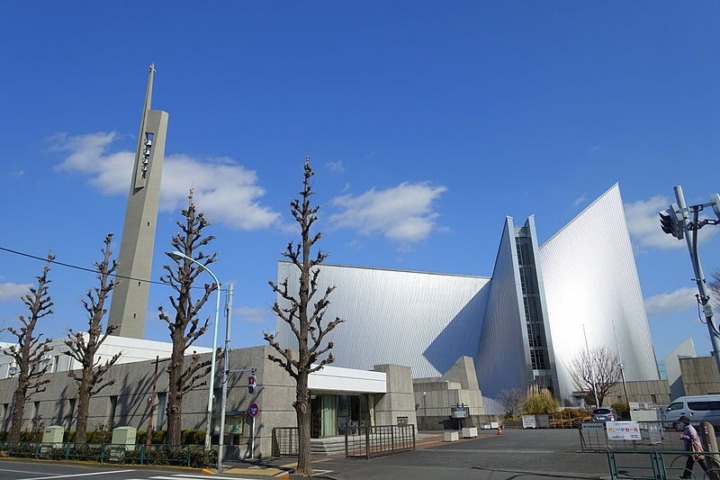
(515, 455)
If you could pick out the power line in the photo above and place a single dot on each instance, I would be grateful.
(77, 267)
(91, 270)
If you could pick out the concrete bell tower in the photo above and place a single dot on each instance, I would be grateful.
(130, 297)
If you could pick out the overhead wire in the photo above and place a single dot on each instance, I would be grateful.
(85, 269)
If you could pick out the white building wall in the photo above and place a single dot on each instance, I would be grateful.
(131, 350)
(427, 321)
(338, 379)
(591, 284)
(421, 320)
(502, 360)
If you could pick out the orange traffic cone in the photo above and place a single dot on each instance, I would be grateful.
(499, 429)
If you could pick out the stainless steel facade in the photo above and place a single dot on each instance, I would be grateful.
(592, 289)
(523, 325)
(422, 320)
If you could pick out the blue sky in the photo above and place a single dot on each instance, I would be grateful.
(426, 122)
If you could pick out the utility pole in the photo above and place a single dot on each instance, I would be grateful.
(676, 222)
(226, 370)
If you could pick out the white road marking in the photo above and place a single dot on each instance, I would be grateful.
(79, 475)
(213, 477)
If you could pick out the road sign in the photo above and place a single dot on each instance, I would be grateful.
(253, 409)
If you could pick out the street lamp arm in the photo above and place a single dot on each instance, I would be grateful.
(179, 255)
(211, 384)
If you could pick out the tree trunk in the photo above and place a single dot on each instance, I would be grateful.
(302, 408)
(174, 427)
(17, 415)
(174, 407)
(82, 415)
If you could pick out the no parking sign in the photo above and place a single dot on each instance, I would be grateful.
(253, 410)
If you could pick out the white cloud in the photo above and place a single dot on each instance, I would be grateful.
(644, 225)
(664, 303)
(13, 291)
(336, 167)
(403, 214)
(252, 314)
(224, 190)
(580, 200)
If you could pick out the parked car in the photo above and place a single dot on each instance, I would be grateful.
(605, 415)
(698, 408)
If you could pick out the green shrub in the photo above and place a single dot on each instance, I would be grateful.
(193, 437)
(539, 401)
(101, 435)
(623, 409)
(159, 437)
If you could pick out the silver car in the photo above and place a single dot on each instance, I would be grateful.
(605, 415)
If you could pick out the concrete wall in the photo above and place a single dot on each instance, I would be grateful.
(652, 392)
(434, 397)
(274, 395)
(398, 401)
(700, 375)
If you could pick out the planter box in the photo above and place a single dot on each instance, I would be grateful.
(452, 436)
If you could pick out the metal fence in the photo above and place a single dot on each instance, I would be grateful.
(360, 441)
(368, 442)
(657, 454)
(285, 441)
(655, 436)
(659, 465)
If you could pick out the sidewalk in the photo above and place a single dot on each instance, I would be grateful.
(285, 466)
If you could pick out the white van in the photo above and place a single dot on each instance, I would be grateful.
(698, 408)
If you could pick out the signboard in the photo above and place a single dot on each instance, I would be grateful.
(592, 426)
(253, 410)
(459, 412)
(529, 421)
(623, 431)
(655, 432)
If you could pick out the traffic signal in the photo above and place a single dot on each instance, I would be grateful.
(252, 381)
(672, 222)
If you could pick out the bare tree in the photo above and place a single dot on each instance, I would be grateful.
(511, 399)
(185, 326)
(30, 349)
(83, 346)
(303, 317)
(596, 372)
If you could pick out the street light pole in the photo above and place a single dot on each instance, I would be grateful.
(208, 438)
(226, 370)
